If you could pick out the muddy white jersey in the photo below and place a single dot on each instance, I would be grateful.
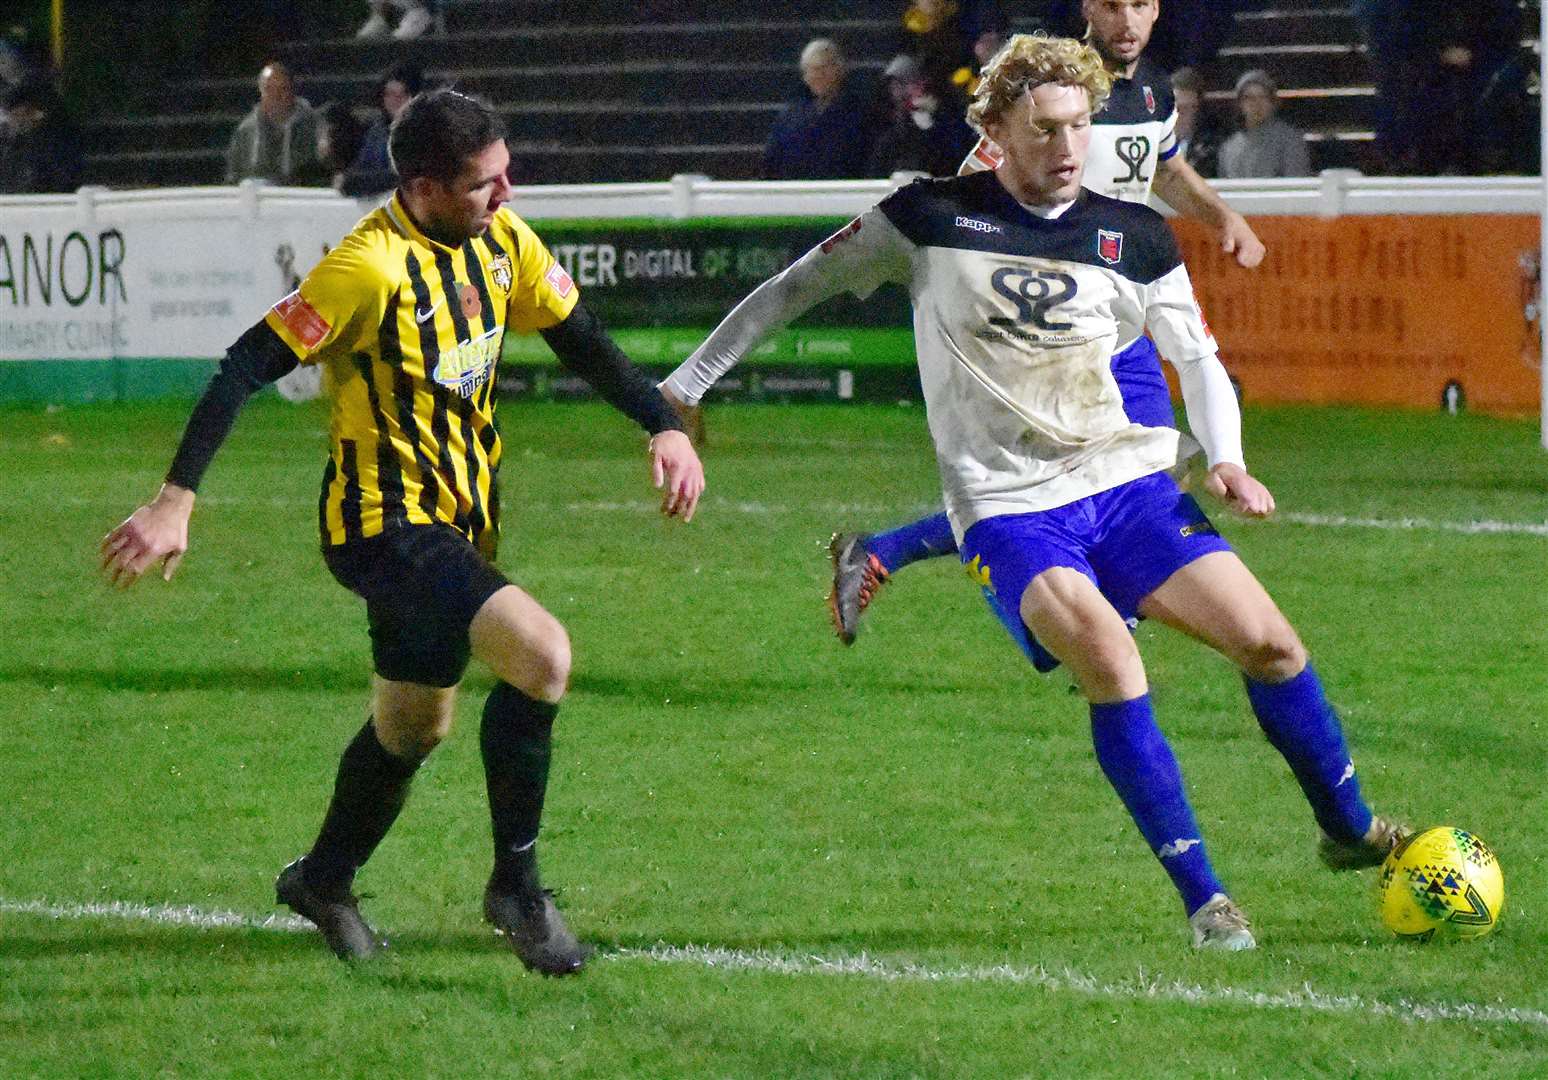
(1015, 319)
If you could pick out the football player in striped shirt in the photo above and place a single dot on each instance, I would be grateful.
(1133, 149)
(1024, 285)
(406, 317)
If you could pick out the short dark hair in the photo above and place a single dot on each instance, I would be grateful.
(411, 75)
(438, 131)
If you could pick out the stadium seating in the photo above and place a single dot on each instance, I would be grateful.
(596, 90)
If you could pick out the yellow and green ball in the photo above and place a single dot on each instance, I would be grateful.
(1442, 882)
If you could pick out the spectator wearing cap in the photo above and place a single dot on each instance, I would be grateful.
(926, 134)
(1266, 146)
(40, 148)
(825, 133)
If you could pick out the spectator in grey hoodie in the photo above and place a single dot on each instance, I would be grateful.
(1266, 146)
(277, 141)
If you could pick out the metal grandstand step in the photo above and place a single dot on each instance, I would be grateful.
(640, 89)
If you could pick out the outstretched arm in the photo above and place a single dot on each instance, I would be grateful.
(856, 259)
(159, 529)
(1185, 191)
(582, 345)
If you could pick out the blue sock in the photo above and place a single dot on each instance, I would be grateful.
(1140, 766)
(922, 539)
(1301, 725)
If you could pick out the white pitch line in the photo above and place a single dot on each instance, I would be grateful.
(1339, 521)
(1141, 987)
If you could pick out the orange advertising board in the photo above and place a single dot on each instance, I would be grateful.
(1380, 310)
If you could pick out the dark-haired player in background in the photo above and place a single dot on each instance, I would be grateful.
(407, 315)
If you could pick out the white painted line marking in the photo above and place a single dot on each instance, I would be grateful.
(1063, 980)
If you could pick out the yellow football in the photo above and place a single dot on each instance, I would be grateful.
(1442, 882)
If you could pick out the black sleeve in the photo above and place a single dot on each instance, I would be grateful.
(582, 345)
(258, 358)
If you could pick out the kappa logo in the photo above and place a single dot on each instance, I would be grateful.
(977, 226)
(1349, 774)
(1177, 847)
(1110, 246)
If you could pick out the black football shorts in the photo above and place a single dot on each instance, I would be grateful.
(422, 585)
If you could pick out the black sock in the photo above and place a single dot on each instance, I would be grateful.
(515, 738)
(370, 790)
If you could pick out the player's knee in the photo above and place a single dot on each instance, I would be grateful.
(551, 666)
(1108, 668)
(412, 733)
(1274, 654)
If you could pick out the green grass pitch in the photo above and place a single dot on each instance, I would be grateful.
(796, 860)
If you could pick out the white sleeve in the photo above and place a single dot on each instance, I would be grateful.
(856, 259)
(1184, 338)
(1168, 146)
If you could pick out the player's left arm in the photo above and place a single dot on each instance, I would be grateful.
(544, 298)
(1185, 191)
(583, 345)
(1214, 416)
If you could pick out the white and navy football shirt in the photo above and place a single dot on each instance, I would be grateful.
(1135, 131)
(1015, 319)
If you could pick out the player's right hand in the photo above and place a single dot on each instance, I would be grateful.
(156, 531)
(692, 417)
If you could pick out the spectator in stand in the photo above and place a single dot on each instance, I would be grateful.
(277, 141)
(952, 41)
(40, 148)
(926, 134)
(339, 137)
(372, 172)
(826, 133)
(1266, 146)
(1469, 90)
(415, 21)
(1199, 131)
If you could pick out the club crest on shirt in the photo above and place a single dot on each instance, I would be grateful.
(1110, 246)
(1150, 99)
(467, 297)
(500, 270)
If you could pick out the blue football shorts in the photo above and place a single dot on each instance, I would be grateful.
(1127, 540)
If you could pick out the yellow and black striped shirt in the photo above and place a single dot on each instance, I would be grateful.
(409, 332)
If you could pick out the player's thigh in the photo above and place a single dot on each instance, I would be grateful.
(411, 718)
(1068, 614)
(522, 644)
(1218, 601)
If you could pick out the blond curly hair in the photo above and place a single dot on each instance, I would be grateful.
(1028, 61)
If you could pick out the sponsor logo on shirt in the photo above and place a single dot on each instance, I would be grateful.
(561, 281)
(1110, 246)
(977, 226)
(839, 237)
(302, 320)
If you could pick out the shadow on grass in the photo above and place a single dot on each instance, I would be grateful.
(743, 689)
(262, 677)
